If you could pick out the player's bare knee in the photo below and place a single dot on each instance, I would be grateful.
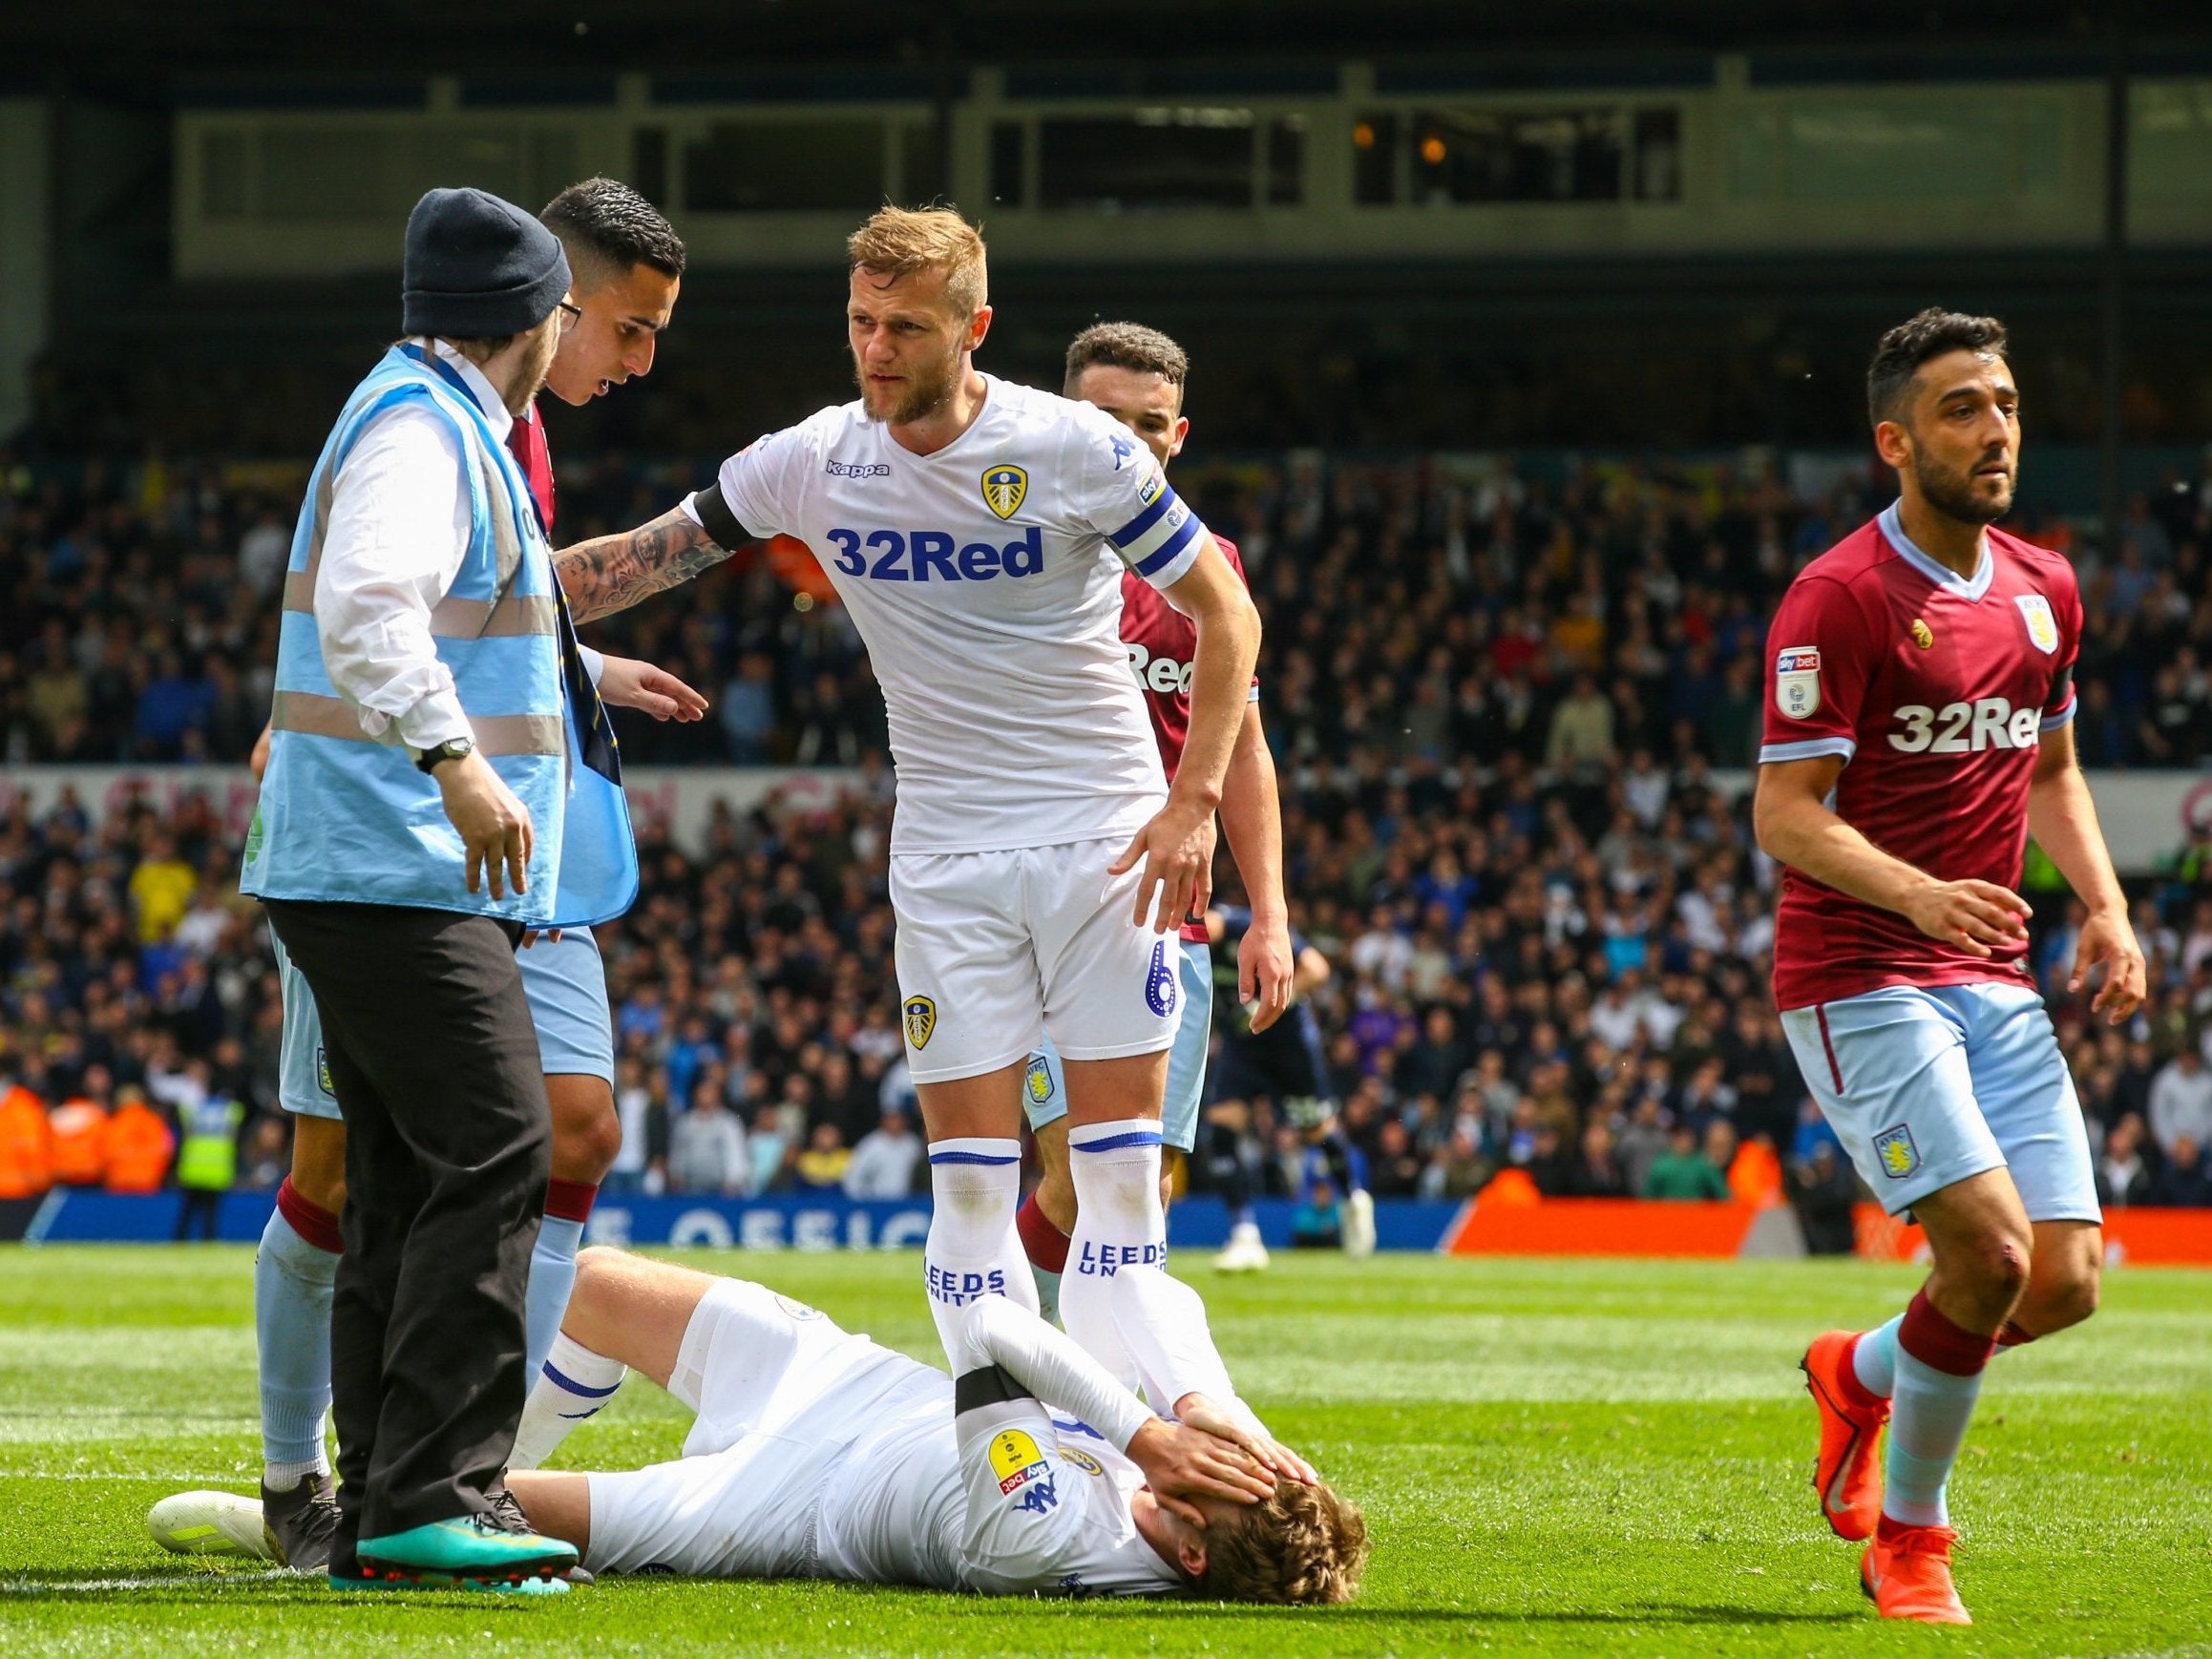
(588, 1132)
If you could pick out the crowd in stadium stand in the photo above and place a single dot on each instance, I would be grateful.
(1497, 705)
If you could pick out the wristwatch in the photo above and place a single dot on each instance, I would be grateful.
(452, 749)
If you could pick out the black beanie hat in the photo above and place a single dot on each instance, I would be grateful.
(478, 267)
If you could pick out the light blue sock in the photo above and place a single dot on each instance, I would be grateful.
(291, 1307)
(1927, 1424)
(1047, 1293)
(551, 1277)
(1874, 1359)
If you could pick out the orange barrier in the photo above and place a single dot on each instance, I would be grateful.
(2150, 1237)
(1599, 1226)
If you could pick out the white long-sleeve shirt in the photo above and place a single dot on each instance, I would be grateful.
(397, 534)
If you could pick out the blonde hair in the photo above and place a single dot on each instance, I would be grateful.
(896, 241)
(1304, 1546)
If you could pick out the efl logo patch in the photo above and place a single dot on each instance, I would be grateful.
(921, 1019)
(1015, 1459)
(1038, 1080)
(323, 1071)
(1004, 488)
(1797, 681)
(1160, 987)
(1899, 1156)
(2042, 625)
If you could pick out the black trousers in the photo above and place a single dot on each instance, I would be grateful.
(449, 1144)
(200, 1206)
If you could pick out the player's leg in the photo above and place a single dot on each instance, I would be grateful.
(1048, 1215)
(294, 1270)
(1113, 997)
(626, 1314)
(565, 982)
(967, 976)
(1891, 1070)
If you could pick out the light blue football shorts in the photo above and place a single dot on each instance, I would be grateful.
(1044, 1086)
(564, 980)
(1928, 1085)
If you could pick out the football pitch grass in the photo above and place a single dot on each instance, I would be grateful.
(1554, 1457)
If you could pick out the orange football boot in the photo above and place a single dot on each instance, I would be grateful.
(1906, 1573)
(1848, 1472)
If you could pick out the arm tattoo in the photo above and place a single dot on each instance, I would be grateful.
(613, 572)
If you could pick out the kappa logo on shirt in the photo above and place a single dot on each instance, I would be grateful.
(858, 469)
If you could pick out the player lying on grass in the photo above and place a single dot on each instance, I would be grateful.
(820, 1454)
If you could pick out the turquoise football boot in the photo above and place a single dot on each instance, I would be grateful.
(471, 1550)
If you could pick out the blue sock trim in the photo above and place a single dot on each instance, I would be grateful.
(574, 1387)
(1116, 1143)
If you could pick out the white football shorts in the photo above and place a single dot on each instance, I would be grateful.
(1926, 1086)
(996, 949)
(783, 1394)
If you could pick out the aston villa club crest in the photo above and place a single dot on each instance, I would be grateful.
(921, 1019)
(1899, 1156)
(1037, 1080)
(1004, 487)
(2042, 625)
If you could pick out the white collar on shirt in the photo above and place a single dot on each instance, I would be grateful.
(486, 394)
(1968, 588)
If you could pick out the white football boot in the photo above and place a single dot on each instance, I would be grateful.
(1245, 1254)
(1358, 1226)
(211, 1524)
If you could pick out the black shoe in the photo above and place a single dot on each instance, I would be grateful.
(507, 1511)
(302, 1524)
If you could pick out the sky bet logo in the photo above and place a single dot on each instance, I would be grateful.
(1104, 1261)
(923, 555)
(959, 1289)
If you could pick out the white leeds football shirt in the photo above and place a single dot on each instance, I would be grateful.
(986, 581)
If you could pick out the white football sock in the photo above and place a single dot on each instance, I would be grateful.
(973, 1249)
(570, 1387)
(1119, 1229)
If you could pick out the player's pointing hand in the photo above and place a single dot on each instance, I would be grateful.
(1974, 915)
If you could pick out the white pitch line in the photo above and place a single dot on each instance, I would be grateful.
(228, 1477)
(148, 1582)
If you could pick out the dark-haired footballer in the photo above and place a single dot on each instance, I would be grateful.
(1919, 729)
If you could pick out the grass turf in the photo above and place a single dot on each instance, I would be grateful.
(1555, 1457)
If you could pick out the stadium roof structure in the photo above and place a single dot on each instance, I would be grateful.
(108, 42)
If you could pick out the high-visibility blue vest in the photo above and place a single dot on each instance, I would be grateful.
(350, 818)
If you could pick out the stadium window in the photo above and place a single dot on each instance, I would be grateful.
(1478, 156)
(225, 192)
(649, 164)
(1158, 157)
(1010, 145)
(1658, 175)
(814, 166)
(1375, 158)
(921, 176)
(1286, 160)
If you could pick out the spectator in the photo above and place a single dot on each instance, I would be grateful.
(161, 887)
(1581, 733)
(1643, 1143)
(1596, 1173)
(1683, 1172)
(2181, 1100)
(2122, 1177)
(706, 1148)
(1824, 1192)
(821, 1167)
(2182, 1181)
(884, 1161)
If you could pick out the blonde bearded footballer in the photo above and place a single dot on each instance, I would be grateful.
(977, 532)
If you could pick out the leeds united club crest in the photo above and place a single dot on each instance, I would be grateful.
(1004, 490)
(921, 1019)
